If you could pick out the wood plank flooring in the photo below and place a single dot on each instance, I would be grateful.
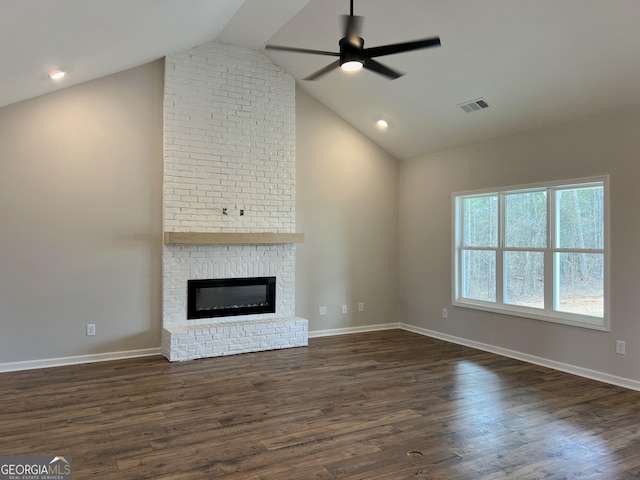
(348, 407)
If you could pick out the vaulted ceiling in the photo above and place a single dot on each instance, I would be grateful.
(534, 62)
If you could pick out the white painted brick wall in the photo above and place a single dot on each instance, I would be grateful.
(229, 142)
(188, 343)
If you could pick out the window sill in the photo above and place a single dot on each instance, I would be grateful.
(582, 321)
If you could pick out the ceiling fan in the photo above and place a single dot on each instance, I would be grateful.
(353, 56)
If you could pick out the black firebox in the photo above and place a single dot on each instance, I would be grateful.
(224, 297)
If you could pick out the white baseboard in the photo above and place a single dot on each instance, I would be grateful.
(92, 358)
(347, 331)
(545, 362)
(562, 367)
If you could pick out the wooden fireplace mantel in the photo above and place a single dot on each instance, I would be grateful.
(213, 238)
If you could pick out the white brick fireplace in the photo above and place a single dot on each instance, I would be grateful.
(229, 167)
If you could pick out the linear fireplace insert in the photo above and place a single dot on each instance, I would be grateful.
(224, 297)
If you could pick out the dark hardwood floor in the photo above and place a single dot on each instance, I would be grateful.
(348, 407)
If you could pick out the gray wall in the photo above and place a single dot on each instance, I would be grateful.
(608, 144)
(80, 213)
(347, 207)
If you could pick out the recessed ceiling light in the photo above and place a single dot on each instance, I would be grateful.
(382, 124)
(57, 74)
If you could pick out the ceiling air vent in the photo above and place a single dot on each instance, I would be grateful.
(474, 106)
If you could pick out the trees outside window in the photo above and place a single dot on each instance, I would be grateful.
(536, 251)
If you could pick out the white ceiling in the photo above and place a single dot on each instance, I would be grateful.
(534, 61)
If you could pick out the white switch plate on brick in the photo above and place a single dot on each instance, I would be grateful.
(322, 310)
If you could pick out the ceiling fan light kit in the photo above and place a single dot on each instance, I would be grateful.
(351, 54)
(352, 66)
(354, 57)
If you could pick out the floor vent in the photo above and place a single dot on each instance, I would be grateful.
(474, 106)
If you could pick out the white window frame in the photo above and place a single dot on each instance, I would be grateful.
(547, 313)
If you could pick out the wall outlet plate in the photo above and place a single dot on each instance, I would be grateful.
(322, 311)
(91, 329)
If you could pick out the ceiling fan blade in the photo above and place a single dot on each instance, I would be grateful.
(323, 71)
(300, 50)
(401, 47)
(383, 70)
(352, 24)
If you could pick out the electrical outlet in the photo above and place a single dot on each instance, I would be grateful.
(445, 314)
(344, 309)
(620, 347)
(91, 329)
(361, 307)
(322, 311)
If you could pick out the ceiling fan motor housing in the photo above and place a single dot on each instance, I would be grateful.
(351, 50)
